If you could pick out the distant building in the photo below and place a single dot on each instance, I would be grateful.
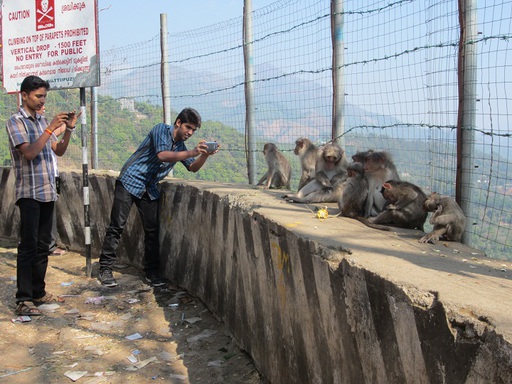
(127, 103)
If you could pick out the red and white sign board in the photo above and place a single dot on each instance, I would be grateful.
(56, 40)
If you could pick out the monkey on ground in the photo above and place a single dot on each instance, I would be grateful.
(353, 198)
(279, 170)
(448, 219)
(330, 174)
(378, 168)
(406, 205)
(308, 154)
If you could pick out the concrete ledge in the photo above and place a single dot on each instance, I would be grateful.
(315, 301)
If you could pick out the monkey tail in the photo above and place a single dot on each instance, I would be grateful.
(368, 223)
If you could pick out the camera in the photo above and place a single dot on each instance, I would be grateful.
(70, 115)
(212, 146)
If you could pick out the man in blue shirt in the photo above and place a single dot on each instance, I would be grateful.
(138, 183)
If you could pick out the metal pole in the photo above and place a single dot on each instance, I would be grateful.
(94, 128)
(466, 119)
(249, 93)
(166, 94)
(85, 181)
(338, 105)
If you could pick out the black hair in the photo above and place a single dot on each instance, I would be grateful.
(31, 83)
(189, 115)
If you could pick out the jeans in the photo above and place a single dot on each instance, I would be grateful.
(35, 237)
(148, 210)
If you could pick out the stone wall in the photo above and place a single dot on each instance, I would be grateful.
(302, 307)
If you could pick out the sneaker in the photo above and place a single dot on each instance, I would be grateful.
(106, 278)
(155, 280)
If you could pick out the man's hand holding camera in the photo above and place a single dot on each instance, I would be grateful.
(71, 119)
(208, 147)
(67, 118)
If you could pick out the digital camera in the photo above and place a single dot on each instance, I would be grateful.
(212, 146)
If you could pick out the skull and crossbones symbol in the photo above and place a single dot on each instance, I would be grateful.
(44, 11)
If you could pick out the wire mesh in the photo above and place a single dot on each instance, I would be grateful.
(401, 94)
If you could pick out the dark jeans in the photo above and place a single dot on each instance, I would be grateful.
(35, 238)
(148, 209)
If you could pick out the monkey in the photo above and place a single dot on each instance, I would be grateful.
(406, 205)
(352, 201)
(361, 156)
(378, 168)
(330, 175)
(448, 219)
(319, 194)
(279, 170)
(308, 154)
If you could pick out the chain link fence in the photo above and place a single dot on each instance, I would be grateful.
(400, 75)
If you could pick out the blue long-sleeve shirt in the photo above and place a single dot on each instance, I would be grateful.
(143, 170)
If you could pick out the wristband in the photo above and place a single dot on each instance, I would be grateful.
(48, 131)
(71, 129)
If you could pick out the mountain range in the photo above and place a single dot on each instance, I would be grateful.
(286, 106)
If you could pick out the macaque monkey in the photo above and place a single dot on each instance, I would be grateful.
(448, 219)
(354, 196)
(406, 205)
(330, 175)
(378, 168)
(279, 170)
(308, 154)
(361, 156)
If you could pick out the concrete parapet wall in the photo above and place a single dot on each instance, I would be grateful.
(311, 301)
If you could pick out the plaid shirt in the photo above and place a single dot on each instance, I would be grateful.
(142, 171)
(35, 179)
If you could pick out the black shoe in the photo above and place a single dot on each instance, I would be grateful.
(155, 280)
(106, 278)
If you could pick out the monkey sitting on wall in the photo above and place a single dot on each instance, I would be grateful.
(330, 174)
(406, 205)
(308, 154)
(353, 198)
(279, 171)
(378, 168)
(448, 219)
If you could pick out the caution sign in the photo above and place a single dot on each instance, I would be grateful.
(56, 40)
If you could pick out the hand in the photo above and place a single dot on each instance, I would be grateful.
(58, 122)
(71, 119)
(202, 148)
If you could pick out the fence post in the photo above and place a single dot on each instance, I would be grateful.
(250, 142)
(466, 118)
(94, 127)
(166, 95)
(338, 83)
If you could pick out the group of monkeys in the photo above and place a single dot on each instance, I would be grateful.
(367, 189)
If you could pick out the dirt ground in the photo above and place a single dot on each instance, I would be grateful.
(128, 334)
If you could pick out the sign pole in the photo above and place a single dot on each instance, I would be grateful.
(85, 182)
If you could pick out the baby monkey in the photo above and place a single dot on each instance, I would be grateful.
(448, 219)
(405, 208)
(353, 199)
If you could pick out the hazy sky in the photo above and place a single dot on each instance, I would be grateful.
(123, 22)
